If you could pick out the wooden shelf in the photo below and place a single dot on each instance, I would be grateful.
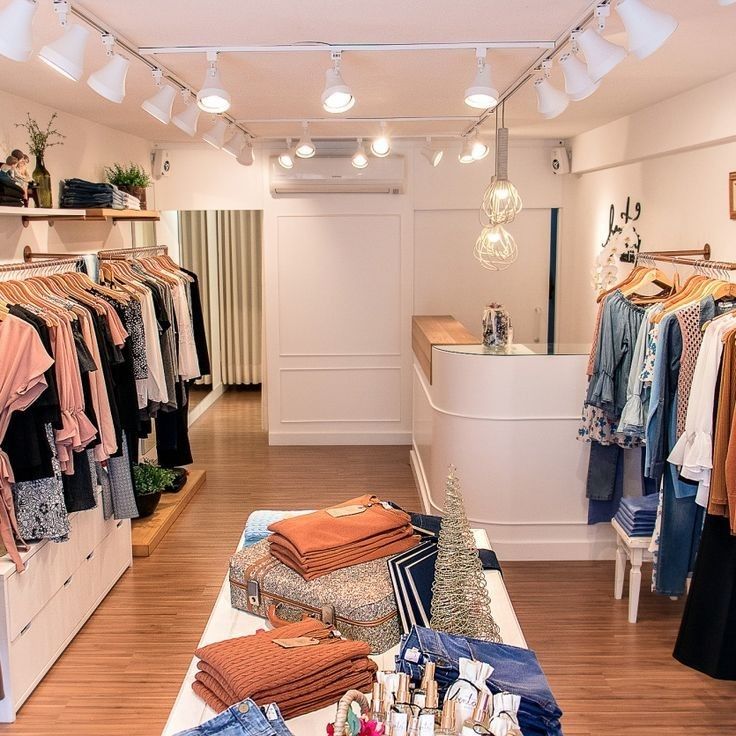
(431, 330)
(148, 532)
(123, 215)
(31, 214)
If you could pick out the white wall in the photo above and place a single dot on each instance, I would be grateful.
(674, 158)
(88, 148)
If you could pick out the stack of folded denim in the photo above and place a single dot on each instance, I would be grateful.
(637, 516)
(11, 195)
(86, 195)
(515, 670)
(301, 667)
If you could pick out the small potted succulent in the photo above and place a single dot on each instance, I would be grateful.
(149, 481)
(130, 178)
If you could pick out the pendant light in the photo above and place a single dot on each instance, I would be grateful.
(381, 144)
(600, 54)
(360, 157)
(213, 97)
(481, 94)
(578, 84)
(495, 248)
(432, 153)
(286, 159)
(466, 152)
(479, 149)
(235, 145)
(246, 157)
(16, 36)
(501, 202)
(188, 118)
(66, 54)
(109, 82)
(160, 105)
(551, 102)
(337, 96)
(305, 148)
(647, 28)
(215, 136)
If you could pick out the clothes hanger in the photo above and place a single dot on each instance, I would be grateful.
(634, 274)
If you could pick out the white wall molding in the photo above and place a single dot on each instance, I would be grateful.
(339, 438)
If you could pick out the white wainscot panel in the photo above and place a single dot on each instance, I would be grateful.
(339, 285)
(315, 395)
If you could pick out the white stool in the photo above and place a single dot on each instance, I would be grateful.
(633, 549)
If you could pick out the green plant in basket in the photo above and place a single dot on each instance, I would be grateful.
(149, 478)
(127, 175)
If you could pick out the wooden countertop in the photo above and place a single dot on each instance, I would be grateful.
(430, 330)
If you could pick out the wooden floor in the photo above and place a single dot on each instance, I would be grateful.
(120, 676)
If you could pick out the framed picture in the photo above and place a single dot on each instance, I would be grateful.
(732, 194)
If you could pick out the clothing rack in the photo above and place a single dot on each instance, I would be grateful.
(60, 265)
(125, 253)
(679, 257)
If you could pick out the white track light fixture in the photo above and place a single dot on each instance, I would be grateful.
(496, 248)
(648, 29)
(481, 94)
(381, 144)
(479, 149)
(305, 148)
(213, 97)
(578, 84)
(188, 118)
(337, 96)
(215, 136)
(16, 36)
(360, 157)
(109, 82)
(501, 202)
(551, 102)
(235, 144)
(66, 54)
(286, 159)
(726, 2)
(600, 54)
(466, 152)
(160, 105)
(432, 153)
(246, 157)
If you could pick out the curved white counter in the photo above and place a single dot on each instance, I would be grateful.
(508, 421)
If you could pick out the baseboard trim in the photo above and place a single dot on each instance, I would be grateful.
(206, 403)
(339, 438)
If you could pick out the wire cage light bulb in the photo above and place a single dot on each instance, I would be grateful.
(495, 248)
(501, 202)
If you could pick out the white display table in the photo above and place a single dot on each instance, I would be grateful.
(226, 623)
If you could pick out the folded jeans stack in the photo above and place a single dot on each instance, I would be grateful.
(243, 719)
(11, 195)
(515, 670)
(81, 194)
(637, 516)
(301, 667)
(359, 530)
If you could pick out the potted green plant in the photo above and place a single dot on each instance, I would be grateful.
(130, 178)
(38, 142)
(149, 480)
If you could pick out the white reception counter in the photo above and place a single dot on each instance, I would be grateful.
(508, 421)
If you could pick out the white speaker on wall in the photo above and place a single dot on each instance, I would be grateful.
(560, 160)
(161, 163)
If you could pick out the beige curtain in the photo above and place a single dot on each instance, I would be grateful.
(194, 245)
(239, 259)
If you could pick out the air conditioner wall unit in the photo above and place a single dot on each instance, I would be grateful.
(335, 174)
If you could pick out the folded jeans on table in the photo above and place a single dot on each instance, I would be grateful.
(516, 670)
(243, 719)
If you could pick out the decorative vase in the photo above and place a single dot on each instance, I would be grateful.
(497, 328)
(147, 504)
(43, 180)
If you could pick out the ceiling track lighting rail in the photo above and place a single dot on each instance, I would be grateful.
(361, 47)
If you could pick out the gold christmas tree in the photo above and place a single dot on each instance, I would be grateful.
(460, 601)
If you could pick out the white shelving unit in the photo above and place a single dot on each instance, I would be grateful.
(31, 214)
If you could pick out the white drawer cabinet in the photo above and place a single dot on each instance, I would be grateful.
(44, 607)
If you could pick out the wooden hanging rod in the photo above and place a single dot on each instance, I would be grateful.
(132, 252)
(680, 257)
(29, 255)
(5, 267)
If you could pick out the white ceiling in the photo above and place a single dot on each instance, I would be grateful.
(273, 86)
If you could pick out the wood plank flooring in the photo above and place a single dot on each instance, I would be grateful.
(120, 676)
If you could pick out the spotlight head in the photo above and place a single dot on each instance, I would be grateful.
(337, 96)
(360, 157)
(213, 97)
(66, 54)
(16, 36)
(481, 94)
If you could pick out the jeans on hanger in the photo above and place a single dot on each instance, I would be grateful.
(515, 670)
(243, 719)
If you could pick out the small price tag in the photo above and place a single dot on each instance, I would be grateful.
(296, 642)
(339, 511)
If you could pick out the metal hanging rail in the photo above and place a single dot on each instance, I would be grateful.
(680, 258)
(29, 255)
(60, 262)
(123, 253)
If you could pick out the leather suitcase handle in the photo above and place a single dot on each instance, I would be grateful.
(273, 617)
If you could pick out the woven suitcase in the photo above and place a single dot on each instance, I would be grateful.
(358, 601)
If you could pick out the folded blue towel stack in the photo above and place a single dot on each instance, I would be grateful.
(637, 516)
